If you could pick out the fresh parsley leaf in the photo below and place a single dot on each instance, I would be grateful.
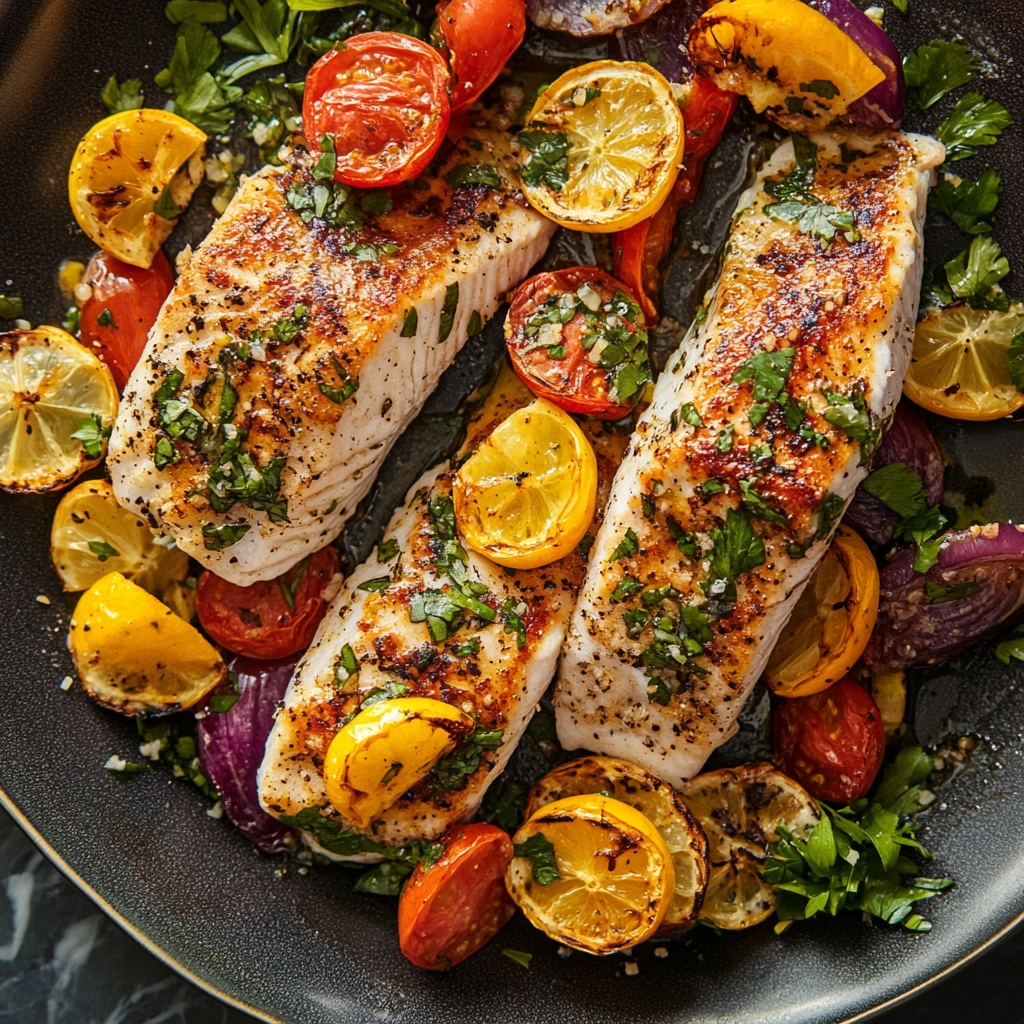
(939, 593)
(453, 772)
(756, 505)
(850, 414)
(166, 207)
(473, 174)
(1013, 648)
(541, 853)
(208, 102)
(392, 689)
(410, 323)
(974, 121)
(469, 649)
(686, 542)
(178, 751)
(968, 204)
(736, 548)
(335, 837)
(898, 487)
(798, 182)
(387, 549)
(512, 612)
(770, 373)
(106, 319)
(227, 699)
(348, 386)
(375, 586)
(821, 87)
(724, 440)
(523, 959)
(625, 588)
(102, 550)
(91, 433)
(217, 538)
(629, 545)
(385, 879)
(831, 509)
(118, 98)
(448, 308)
(817, 220)
(1015, 353)
(327, 162)
(686, 413)
(548, 162)
(935, 69)
(972, 274)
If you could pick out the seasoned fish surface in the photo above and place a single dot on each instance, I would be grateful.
(759, 431)
(498, 685)
(291, 353)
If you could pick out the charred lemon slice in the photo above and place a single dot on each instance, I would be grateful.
(527, 495)
(831, 623)
(961, 363)
(385, 750)
(92, 535)
(602, 146)
(593, 873)
(741, 810)
(659, 803)
(131, 177)
(787, 58)
(135, 655)
(57, 405)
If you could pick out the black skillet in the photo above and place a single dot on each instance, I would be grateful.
(307, 948)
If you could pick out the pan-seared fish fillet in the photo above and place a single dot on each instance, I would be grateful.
(291, 355)
(499, 686)
(760, 429)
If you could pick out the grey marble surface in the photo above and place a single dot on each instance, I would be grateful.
(63, 962)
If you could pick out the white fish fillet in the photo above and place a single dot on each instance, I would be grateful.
(499, 686)
(844, 317)
(353, 289)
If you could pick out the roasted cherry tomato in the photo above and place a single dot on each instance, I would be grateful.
(577, 338)
(383, 99)
(480, 36)
(638, 250)
(124, 305)
(831, 742)
(458, 904)
(271, 619)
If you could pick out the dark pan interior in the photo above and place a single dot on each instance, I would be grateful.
(308, 948)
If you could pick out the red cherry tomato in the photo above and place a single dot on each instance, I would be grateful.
(383, 98)
(480, 36)
(125, 301)
(831, 742)
(458, 904)
(271, 619)
(585, 358)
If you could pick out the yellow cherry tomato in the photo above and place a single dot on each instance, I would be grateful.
(602, 146)
(960, 366)
(385, 750)
(131, 176)
(527, 495)
(135, 655)
(51, 389)
(615, 880)
(787, 58)
(832, 622)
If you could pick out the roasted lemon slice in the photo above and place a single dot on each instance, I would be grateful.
(960, 366)
(831, 623)
(602, 146)
(135, 655)
(527, 495)
(611, 881)
(131, 177)
(51, 389)
(787, 58)
(385, 750)
(659, 803)
(92, 536)
(741, 810)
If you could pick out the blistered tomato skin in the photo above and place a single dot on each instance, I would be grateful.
(832, 742)
(271, 619)
(125, 301)
(451, 909)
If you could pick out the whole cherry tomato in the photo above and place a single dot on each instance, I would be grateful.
(480, 36)
(271, 619)
(383, 99)
(125, 301)
(577, 337)
(831, 742)
(458, 904)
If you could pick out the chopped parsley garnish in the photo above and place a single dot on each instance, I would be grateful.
(939, 593)
(102, 550)
(386, 550)
(817, 220)
(346, 667)
(177, 416)
(541, 853)
(330, 201)
(217, 538)
(72, 322)
(178, 751)
(736, 549)
(686, 413)
(473, 174)
(106, 319)
(388, 878)
(517, 957)
(164, 453)
(349, 385)
(855, 857)
(647, 506)
(935, 69)
(118, 98)
(831, 508)
(1013, 648)
(512, 612)
(287, 328)
(375, 586)
(453, 772)
(972, 274)
(899, 488)
(756, 505)
(123, 770)
(548, 162)
(91, 433)
(973, 122)
(226, 699)
(289, 588)
(724, 440)
(686, 542)
(625, 588)
(323, 169)
(468, 649)
(410, 323)
(770, 373)
(237, 478)
(448, 308)
(797, 183)
(821, 87)
(969, 204)
(710, 488)
(850, 414)
(629, 545)
(392, 689)
(166, 207)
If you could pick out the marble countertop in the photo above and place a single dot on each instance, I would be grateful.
(63, 962)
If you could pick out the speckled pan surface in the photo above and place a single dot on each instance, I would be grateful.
(308, 949)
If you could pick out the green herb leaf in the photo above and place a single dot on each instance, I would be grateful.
(541, 854)
(523, 959)
(770, 373)
(166, 207)
(973, 122)
(817, 220)
(757, 507)
(935, 69)
(629, 545)
(625, 588)
(410, 323)
(386, 550)
(686, 413)
(448, 309)
(1012, 648)
(347, 388)
(106, 319)
(512, 612)
(102, 550)
(91, 433)
(972, 274)
(391, 690)
(126, 769)
(375, 586)
(939, 593)
(737, 549)
(969, 204)
(473, 174)
(217, 538)
(385, 879)
(118, 98)
(850, 414)
(346, 667)
(327, 162)
(453, 772)
(548, 162)
(898, 487)
(831, 508)
(11, 307)
(206, 11)
(225, 701)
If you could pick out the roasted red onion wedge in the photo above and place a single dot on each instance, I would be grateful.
(661, 40)
(976, 585)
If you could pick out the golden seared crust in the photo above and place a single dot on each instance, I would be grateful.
(300, 317)
(757, 436)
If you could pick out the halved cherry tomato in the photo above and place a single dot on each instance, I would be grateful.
(831, 742)
(458, 904)
(480, 36)
(125, 302)
(577, 338)
(383, 98)
(638, 250)
(271, 619)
